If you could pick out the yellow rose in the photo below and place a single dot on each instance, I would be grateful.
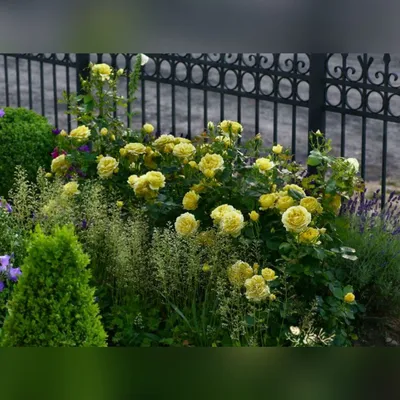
(267, 201)
(135, 149)
(48, 175)
(59, 165)
(181, 140)
(224, 139)
(120, 71)
(132, 180)
(322, 231)
(311, 204)
(349, 298)
(63, 133)
(232, 223)
(256, 288)
(264, 165)
(254, 216)
(268, 274)
(186, 224)
(142, 188)
(294, 187)
(112, 137)
(193, 164)
(71, 189)
(284, 203)
(169, 147)
(296, 219)
(184, 150)
(256, 266)
(80, 134)
(277, 149)
(123, 152)
(239, 272)
(210, 164)
(162, 141)
(103, 70)
(219, 212)
(272, 297)
(103, 131)
(155, 179)
(231, 126)
(148, 128)
(310, 235)
(120, 204)
(190, 200)
(106, 167)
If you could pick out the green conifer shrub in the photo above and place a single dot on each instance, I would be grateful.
(53, 304)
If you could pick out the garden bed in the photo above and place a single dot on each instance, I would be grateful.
(125, 238)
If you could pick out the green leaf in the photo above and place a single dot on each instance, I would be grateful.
(338, 293)
(295, 194)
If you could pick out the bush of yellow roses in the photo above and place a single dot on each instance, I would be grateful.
(210, 183)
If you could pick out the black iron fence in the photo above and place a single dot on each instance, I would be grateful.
(354, 98)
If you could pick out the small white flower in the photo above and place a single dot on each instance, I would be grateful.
(144, 60)
(295, 330)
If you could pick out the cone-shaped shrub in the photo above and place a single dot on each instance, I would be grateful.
(53, 304)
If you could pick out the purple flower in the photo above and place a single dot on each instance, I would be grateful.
(1, 286)
(4, 262)
(56, 131)
(2, 113)
(84, 148)
(8, 208)
(14, 273)
(84, 224)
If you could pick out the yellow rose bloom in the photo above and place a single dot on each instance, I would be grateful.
(284, 203)
(294, 187)
(162, 141)
(349, 298)
(193, 164)
(106, 167)
(142, 188)
(120, 71)
(186, 224)
(184, 150)
(267, 201)
(181, 140)
(219, 212)
(135, 149)
(254, 216)
(48, 175)
(224, 139)
(311, 204)
(120, 204)
(123, 152)
(103, 131)
(310, 235)
(169, 147)
(71, 189)
(272, 297)
(103, 70)
(132, 180)
(232, 126)
(155, 179)
(80, 134)
(277, 149)
(264, 165)
(190, 200)
(239, 272)
(59, 165)
(63, 133)
(210, 164)
(296, 219)
(232, 223)
(148, 128)
(268, 274)
(256, 288)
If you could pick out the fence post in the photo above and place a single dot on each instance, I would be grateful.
(316, 109)
(82, 63)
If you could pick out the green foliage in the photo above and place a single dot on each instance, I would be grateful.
(375, 275)
(25, 139)
(53, 305)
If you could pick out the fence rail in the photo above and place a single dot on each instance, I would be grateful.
(355, 98)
